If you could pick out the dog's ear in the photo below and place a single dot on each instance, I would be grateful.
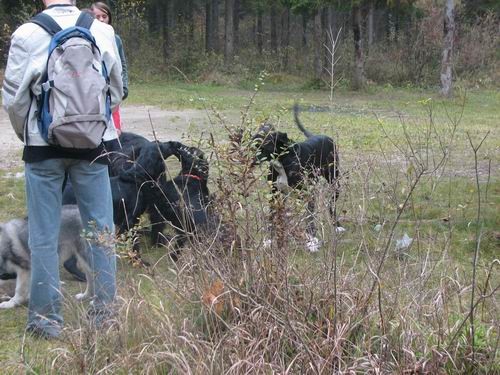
(281, 141)
(264, 133)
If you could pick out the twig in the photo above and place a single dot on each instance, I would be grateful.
(479, 228)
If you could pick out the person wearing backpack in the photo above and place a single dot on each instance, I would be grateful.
(60, 107)
(102, 13)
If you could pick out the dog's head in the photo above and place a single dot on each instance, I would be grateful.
(193, 162)
(192, 159)
(268, 142)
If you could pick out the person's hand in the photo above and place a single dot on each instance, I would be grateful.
(125, 93)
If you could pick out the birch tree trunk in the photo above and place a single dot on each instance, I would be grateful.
(447, 58)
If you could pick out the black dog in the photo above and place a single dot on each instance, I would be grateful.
(129, 202)
(120, 154)
(130, 172)
(294, 163)
(183, 201)
(124, 151)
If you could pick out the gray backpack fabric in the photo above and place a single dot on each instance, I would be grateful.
(74, 109)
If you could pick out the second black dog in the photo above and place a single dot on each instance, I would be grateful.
(295, 163)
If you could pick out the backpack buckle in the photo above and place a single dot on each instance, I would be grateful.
(46, 86)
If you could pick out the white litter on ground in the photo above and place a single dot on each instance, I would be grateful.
(404, 243)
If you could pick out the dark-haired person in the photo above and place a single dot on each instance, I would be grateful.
(102, 12)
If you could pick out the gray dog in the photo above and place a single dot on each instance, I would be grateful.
(15, 257)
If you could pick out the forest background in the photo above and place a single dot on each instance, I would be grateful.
(309, 43)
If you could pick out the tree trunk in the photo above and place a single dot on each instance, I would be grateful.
(209, 40)
(370, 23)
(215, 24)
(229, 32)
(190, 21)
(304, 29)
(447, 59)
(285, 35)
(390, 27)
(274, 32)
(331, 20)
(167, 28)
(155, 15)
(318, 46)
(260, 32)
(236, 23)
(325, 27)
(359, 80)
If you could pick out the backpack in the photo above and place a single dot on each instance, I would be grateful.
(74, 108)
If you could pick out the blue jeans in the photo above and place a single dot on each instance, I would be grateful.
(44, 196)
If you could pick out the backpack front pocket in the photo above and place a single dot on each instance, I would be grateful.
(78, 109)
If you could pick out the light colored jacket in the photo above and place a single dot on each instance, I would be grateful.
(26, 65)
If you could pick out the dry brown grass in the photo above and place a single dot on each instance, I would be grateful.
(233, 305)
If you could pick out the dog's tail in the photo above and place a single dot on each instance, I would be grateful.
(296, 111)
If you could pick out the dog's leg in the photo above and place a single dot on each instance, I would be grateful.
(157, 227)
(71, 266)
(90, 288)
(281, 181)
(332, 176)
(275, 208)
(157, 237)
(313, 244)
(22, 290)
(333, 214)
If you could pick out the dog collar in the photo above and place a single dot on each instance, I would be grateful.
(192, 176)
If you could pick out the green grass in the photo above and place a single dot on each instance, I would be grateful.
(351, 116)
(443, 207)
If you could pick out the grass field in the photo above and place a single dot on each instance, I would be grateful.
(359, 304)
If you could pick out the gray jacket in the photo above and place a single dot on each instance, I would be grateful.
(27, 62)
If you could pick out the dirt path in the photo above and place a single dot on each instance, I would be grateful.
(168, 125)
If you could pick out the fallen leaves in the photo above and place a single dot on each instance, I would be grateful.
(218, 300)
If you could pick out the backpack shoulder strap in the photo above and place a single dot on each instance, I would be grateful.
(47, 23)
(85, 20)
